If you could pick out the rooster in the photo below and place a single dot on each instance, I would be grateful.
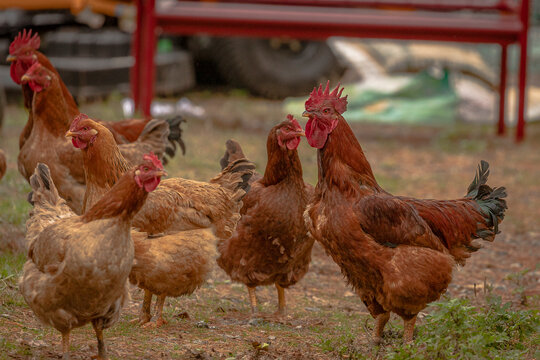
(23, 53)
(271, 244)
(183, 218)
(397, 252)
(77, 266)
(46, 142)
(3, 164)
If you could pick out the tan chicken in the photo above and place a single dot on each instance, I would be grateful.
(78, 266)
(271, 244)
(3, 164)
(183, 217)
(46, 142)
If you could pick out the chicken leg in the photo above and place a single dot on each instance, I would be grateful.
(159, 311)
(102, 353)
(281, 300)
(252, 299)
(145, 316)
(65, 345)
(408, 329)
(382, 319)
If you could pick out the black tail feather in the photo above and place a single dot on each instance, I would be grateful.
(175, 136)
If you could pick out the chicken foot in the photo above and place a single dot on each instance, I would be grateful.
(408, 329)
(382, 319)
(282, 310)
(102, 353)
(252, 299)
(160, 302)
(65, 345)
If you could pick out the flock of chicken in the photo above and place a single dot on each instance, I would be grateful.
(102, 215)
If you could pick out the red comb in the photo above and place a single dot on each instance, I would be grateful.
(317, 96)
(24, 38)
(151, 157)
(78, 119)
(294, 121)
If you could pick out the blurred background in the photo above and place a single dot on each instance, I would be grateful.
(89, 42)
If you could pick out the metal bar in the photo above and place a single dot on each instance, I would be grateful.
(144, 46)
(136, 51)
(522, 82)
(502, 89)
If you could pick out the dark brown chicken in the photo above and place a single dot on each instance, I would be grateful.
(271, 244)
(78, 265)
(397, 252)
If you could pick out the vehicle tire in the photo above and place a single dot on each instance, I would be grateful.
(275, 68)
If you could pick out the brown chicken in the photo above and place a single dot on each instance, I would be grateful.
(183, 217)
(271, 244)
(46, 142)
(78, 266)
(23, 53)
(3, 164)
(398, 253)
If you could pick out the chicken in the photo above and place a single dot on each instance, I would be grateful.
(46, 142)
(271, 244)
(77, 266)
(3, 164)
(23, 53)
(177, 204)
(175, 264)
(183, 217)
(397, 252)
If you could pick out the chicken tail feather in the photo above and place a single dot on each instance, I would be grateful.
(155, 134)
(233, 151)
(235, 177)
(175, 136)
(43, 188)
(491, 201)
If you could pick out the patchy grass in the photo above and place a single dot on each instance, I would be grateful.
(325, 320)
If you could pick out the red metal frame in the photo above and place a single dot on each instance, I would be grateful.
(270, 18)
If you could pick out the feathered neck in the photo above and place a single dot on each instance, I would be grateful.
(103, 163)
(342, 163)
(70, 102)
(50, 110)
(123, 200)
(281, 164)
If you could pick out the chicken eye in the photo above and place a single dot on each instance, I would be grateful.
(326, 111)
(146, 168)
(85, 128)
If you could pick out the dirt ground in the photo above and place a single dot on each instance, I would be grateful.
(325, 320)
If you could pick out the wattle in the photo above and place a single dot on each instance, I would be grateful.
(78, 143)
(316, 134)
(151, 185)
(16, 71)
(293, 143)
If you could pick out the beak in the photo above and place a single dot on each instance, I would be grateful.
(25, 78)
(161, 173)
(306, 114)
(302, 133)
(11, 58)
(71, 134)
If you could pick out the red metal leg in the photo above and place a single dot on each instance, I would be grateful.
(522, 83)
(136, 51)
(144, 47)
(502, 89)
